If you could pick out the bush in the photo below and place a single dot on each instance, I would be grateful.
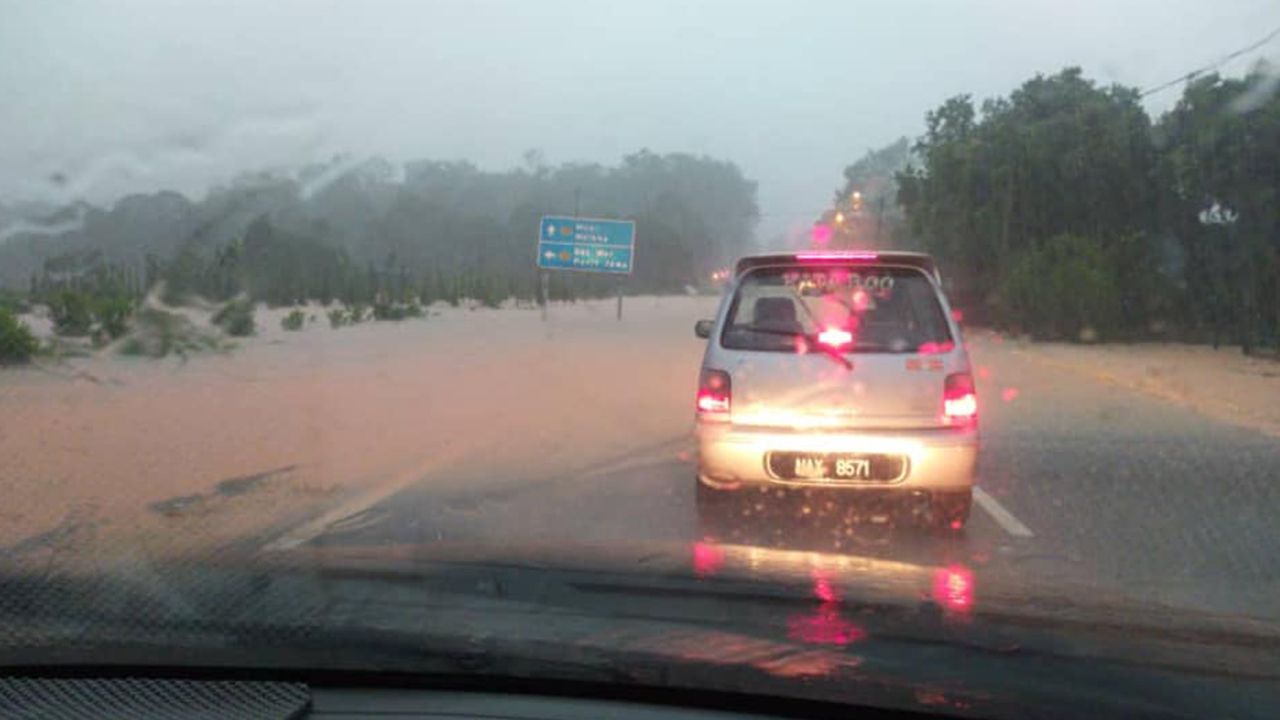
(294, 320)
(396, 311)
(337, 318)
(357, 313)
(236, 318)
(383, 310)
(17, 344)
(112, 316)
(157, 333)
(72, 313)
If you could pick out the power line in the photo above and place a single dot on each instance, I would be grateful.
(795, 213)
(1212, 66)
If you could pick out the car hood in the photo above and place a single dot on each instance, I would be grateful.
(722, 617)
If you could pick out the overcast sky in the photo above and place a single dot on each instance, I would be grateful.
(135, 96)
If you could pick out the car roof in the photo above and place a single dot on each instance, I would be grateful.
(920, 260)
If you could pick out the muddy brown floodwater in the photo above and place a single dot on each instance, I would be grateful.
(112, 454)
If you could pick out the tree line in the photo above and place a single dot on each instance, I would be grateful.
(431, 230)
(1064, 211)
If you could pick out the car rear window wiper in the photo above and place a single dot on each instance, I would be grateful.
(810, 341)
(768, 331)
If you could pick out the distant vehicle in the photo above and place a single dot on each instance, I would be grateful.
(839, 370)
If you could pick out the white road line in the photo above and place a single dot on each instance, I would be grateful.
(319, 526)
(358, 504)
(1011, 524)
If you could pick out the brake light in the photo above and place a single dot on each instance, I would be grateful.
(835, 337)
(960, 399)
(835, 255)
(713, 394)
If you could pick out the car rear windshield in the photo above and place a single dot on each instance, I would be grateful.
(882, 309)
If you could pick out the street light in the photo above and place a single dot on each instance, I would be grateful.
(839, 218)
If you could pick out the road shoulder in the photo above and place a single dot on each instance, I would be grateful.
(1221, 384)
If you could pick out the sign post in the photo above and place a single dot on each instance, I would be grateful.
(546, 292)
(587, 245)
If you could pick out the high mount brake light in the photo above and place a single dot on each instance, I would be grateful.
(833, 255)
(835, 338)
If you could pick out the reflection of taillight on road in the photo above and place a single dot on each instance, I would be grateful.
(707, 558)
(953, 588)
(960, 399)
(827, 626)
(713, 395)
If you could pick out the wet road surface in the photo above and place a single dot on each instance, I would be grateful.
(1079, 481)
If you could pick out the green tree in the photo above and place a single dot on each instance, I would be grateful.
(1221, 166)
(1059, 157)
(1066, 288)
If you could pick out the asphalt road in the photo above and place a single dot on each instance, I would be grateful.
(1080, 482)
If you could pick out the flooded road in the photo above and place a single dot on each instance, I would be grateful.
(494, 427)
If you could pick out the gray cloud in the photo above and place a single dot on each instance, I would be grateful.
(129, 96)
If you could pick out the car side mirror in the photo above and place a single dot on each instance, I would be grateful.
(702, 328)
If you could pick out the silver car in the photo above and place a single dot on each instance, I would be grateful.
(838, 370)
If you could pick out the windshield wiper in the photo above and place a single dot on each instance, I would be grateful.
(810, 341)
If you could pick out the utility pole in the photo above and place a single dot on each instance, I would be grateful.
(879, 218)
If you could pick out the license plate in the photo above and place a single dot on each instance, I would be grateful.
(842, 467)
(836, 467)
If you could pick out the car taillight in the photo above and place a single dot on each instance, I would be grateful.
(960, 399)
(713, 394)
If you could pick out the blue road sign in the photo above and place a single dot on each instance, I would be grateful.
(591, 244)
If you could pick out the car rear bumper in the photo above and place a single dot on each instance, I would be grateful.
(938, 460)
